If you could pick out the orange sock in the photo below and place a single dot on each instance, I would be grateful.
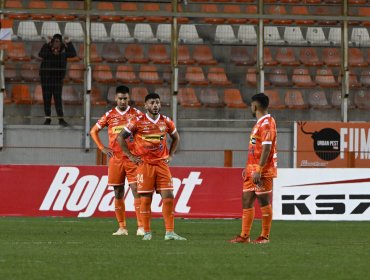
(145, 212)
(137, 202)
(266, 220)
(167, 211)
(119, 209)
(247, 221)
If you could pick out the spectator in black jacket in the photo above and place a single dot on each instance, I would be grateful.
(52, 71)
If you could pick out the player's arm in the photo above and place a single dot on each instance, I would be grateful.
(122, 142)
(94, 132)
(266, 149)
(174, 144)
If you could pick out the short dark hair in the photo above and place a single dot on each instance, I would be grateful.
(151, 95)
(262, 99)
(122, 89)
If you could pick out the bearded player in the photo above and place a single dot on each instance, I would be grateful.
(119, 166)
(259, 172)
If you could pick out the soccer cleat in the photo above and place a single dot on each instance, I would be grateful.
(121, 231)
(240, 239)
(261, 240)
(140, 231)
(147, 236)
(173, 236)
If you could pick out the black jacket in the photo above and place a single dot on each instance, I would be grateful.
(54, 66)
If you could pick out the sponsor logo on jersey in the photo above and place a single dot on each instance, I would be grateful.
(117, 129)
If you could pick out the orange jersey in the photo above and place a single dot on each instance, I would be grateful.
(115, 120)
(264, 132)
(150, 137)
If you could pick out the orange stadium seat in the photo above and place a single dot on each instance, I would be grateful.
(355, 58)
(168, 8)
(138, 95)
(211, 9)
(217, 76)
(302, 10)
(267, 57)
(126, 74)
(10, 73)
(102, 73)
(294, 100)
(158, 54)
(21, 94)
(111, 95)
(233, 98)
(252, 10)
(336, 100)
(301, 78)
(105, 8)
(30, 72)
(357, 1)
(286, 57)
(209, 98)
(275, 101)
(39, 5)
(188, 98)
(167, 75)
(251, 77)
(325, 78)
(240, 56)
(154, 7)
(195, 76)
(112, 53)
(16, 4)
(317, 100)
(234, 9)
(96, 97)
(149, 74)
(353, 81)
(331, 56)
(278, 10)
(326, 11)
(362, 99)
(35, 49)
(76, 72)
(165, 95)
(290, 1)
(309, 57)
(364, 12)
(18, 52)
(279, 77)
(94, 56)
(37, 95)
(314, 1)
(203, 55)
(365, 78)
(131, 7)
(135, 54)
(7, 99)
(62, 5)
(183, 55)
(70, 96)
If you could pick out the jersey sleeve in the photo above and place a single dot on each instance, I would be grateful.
(171, 128)
(267, 133)
(103, 121)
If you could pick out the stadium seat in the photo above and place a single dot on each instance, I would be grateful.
(21, 94)
(94, 56)
(119, 33)
(195, 76)
(154, 7)
(74, 31)
(362, 99)
(267, 57)
(301, 78)
(126, 74)
(278, 10)
(246, 34)
(212, 9)
(294, 100)
(143, 33)
(355, 58)
(30, 72)
(149, 74)
(131, 7)
(324, 10)
(274, 99)
(317, 100)
(164, 33)
(360, 37)
(293, 35)
(104, 9)
(279, 77)
(302, 10)
(233, 98)
(309, 57)
(286, 57)
(188, 98)
(364, 12)
(167, 75)
(188, 34)
(76, 72)
(336, 100)
(325, 78)
(15, 4)
(112, 53)
(158, 54)
(331, 56)
(234, 9)
(39, 5)
(49, 28)
(102, 73)
(99, 32)
(27, 31)
(316, 36)
(357, 1)
(10, 73)
(240, 56)
(365, 78)
(209, 98)
(252, 10)
(64, 6)
(111, 96)
(217, 76)
(251, 77)
(271, 35)
(7, 99)
(96, 97)
(37, 95)
(70, 96)
(335, 35)
(352, 80)
(225, 34)
(183, 55)
(135, 54)
(165, 95)
(203, 55)
(180, 20)
(18, 52)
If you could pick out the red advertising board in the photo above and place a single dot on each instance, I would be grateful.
(81, 191)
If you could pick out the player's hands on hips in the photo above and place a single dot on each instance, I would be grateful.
(243, 174)
(135, 159)
(107, 151)
(168, 160)
(256, 177)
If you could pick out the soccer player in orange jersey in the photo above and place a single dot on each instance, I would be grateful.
(259, 172)
(152, 156)
(119, 165)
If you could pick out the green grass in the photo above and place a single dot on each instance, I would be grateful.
(61, 248)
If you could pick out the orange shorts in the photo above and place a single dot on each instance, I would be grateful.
(265, 185)
(153, 177)
(120, 167)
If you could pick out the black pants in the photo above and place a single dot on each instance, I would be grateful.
(52, 88)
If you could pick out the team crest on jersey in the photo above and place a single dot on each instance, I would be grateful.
(162, 128)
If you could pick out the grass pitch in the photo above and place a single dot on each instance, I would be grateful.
(65, 248)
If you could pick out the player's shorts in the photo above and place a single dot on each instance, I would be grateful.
(120, 167)
(265, 185)
(153, 177)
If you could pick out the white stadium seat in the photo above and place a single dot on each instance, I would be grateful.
(225, 34)
(360, 37)
(293, 35)
(164, 33)
(335, 35)
(188, 33)
(27, 31)
(74, 31)
(316, 36)
(99, 32)
(49, 28)
(119, 33)
(272, 35)
(143, 33)
(247, 34)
